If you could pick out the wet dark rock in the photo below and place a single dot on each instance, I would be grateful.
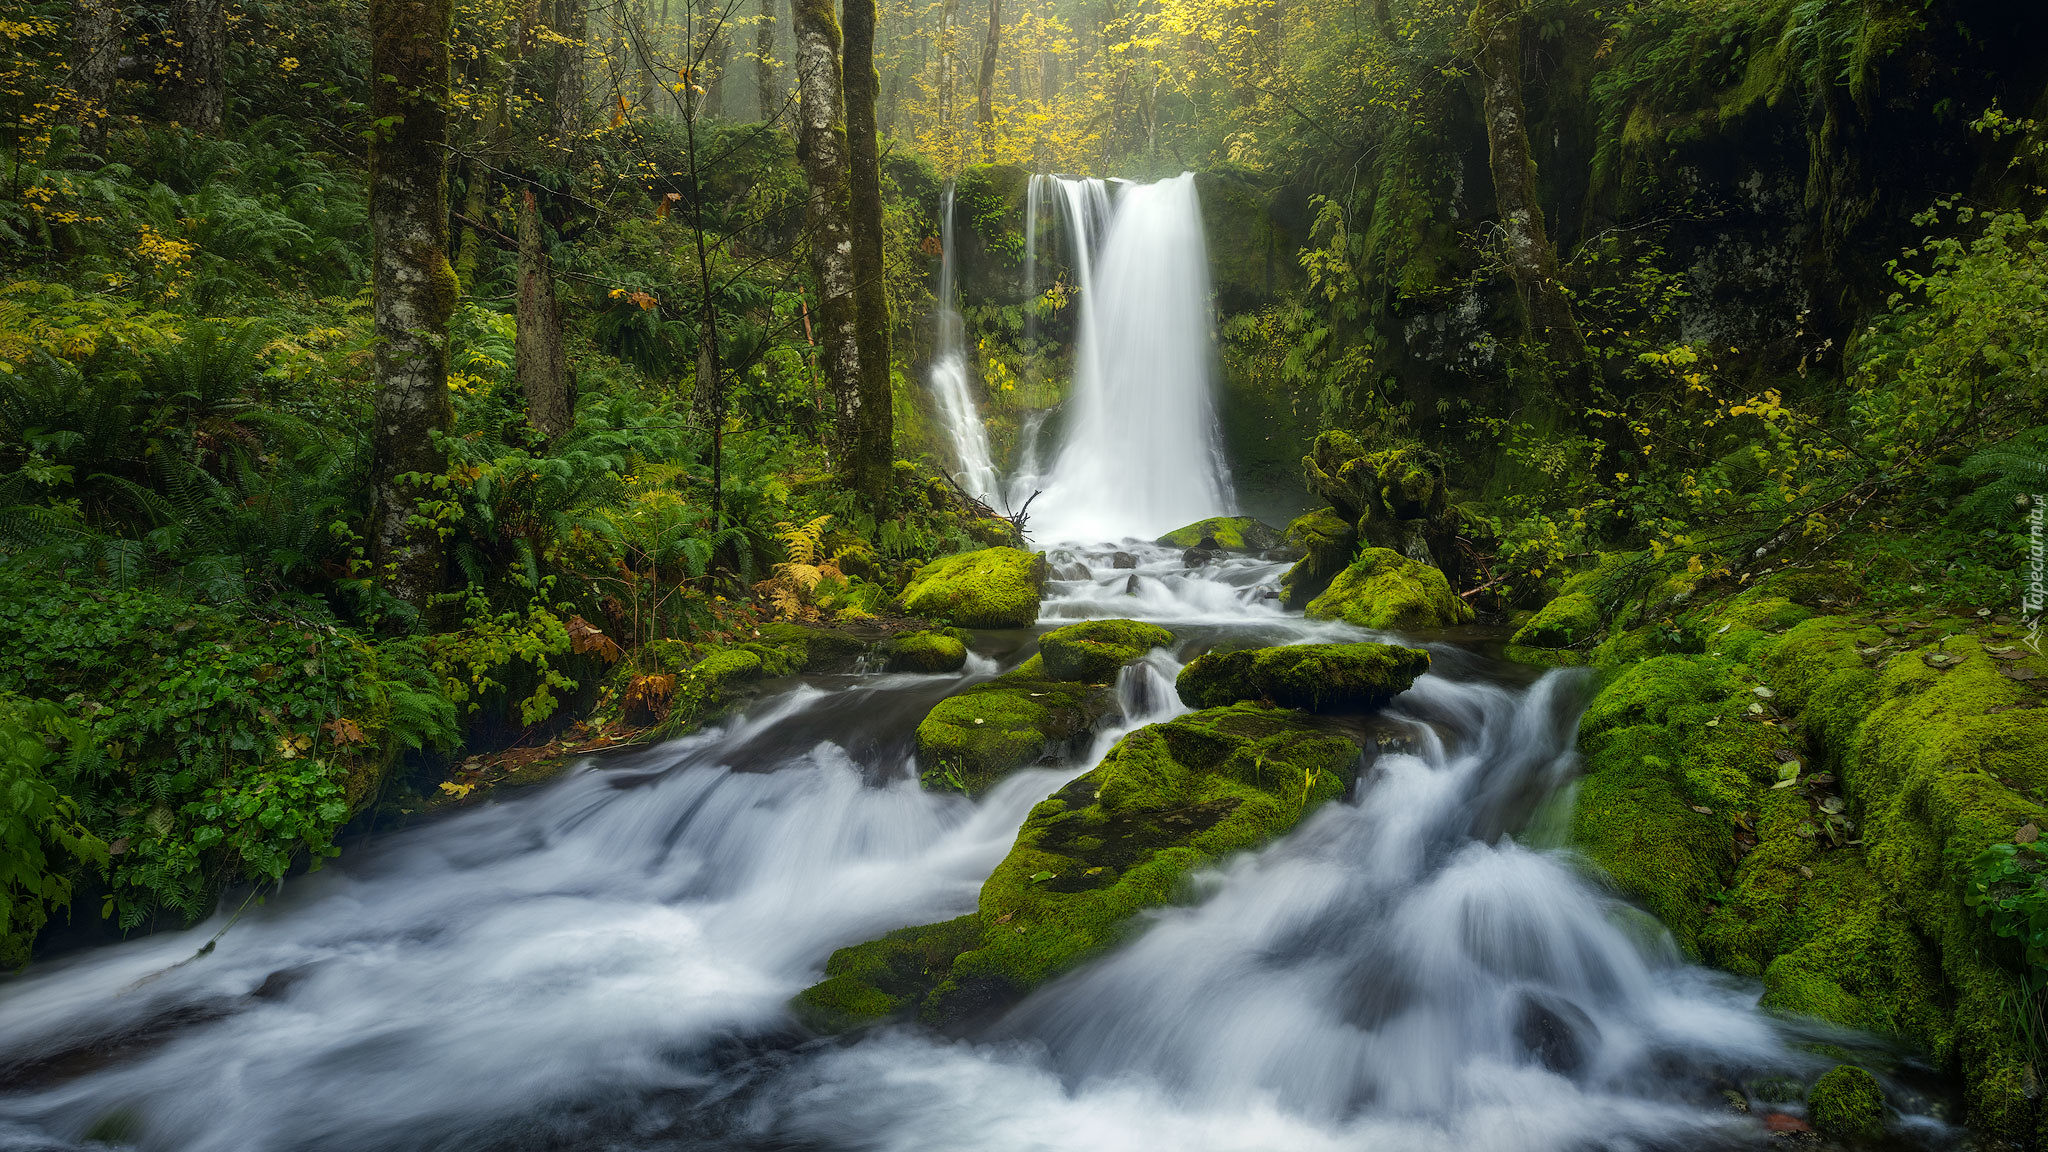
(1131, 585)
(1123, 560)
(1198, 557)
(1556, 1032)
(1313, 677)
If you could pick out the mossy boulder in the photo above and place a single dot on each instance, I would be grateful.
(1093, 650)
(1167, 799)
(971, 740)
(1311, 677)
(938, 651)
(1383, 589)
(809, 649)
(1229, 533)
(1327, 542)
(1848, 1104)
(1569, 620)
(1397, 498)
(988, 588)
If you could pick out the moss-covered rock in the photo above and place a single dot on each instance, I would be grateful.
(1328, 542)
(937, 651)
(1398, 498)
(1229, 533)
(1167, 799)
(1093, 650)
(1312, 677)
(1847, 1104)
(971, 740)
(813, 650)
(1384, 589)
(989, 588)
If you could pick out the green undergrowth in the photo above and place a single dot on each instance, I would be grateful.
(1167, 799)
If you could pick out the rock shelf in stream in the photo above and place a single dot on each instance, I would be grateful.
(1225, 533)
(1121, 838)
(1038, 710)
(1331, 678)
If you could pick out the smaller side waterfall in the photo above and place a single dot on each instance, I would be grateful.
(952, 374)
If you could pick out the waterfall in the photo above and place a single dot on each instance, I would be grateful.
(952, 374)
(1142, 453)
(1084, 210)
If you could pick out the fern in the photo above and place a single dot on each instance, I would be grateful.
(2011, 472)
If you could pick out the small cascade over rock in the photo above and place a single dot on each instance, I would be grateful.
(952, 374)
(1142, 453)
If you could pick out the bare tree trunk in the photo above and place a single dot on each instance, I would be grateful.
(539, 359)
(822, 147)
(984, 109)
(765, 94)
(413, 288)
(1497, 26)
(721, 59)
(572, 24)
(95, 57)
(199, 98)
(866, 455)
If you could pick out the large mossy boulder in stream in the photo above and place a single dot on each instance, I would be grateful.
(1226, 533)
(989, 588)
(1327, 543)
(1121, 838)
(1094, 650)
(1383, 589)
(940, 650)
(1848, 1104)
(1330, 678)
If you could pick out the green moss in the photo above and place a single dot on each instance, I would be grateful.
(924, 652)
(884, 978)
(1383, 589)
(973, 739)
(1847, 1104)
(989, 588)
(1093, 650)
(1569, 620)
(1237, 533)
(1166, 800)
(814, 650)
(1313, 677)
(1328, 542)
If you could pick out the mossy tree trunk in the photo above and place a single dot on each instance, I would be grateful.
(769, 100)
(822, 147)
(539, 359)
(571, 21)
(198, 99)
(865, 453)
(95, 58)
(1496, 25)
(413, 287)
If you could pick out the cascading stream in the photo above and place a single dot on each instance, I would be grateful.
(604, 963)
(952, 374)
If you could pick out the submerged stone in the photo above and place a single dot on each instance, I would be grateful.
(1383, 589)
(1312, 677)
(1167, 799)
(989, 588)
(1094, 650)
(1224, 533)
(1847, 1103)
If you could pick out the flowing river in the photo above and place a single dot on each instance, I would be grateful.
(604, 963)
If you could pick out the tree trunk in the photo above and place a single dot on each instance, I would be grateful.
(96, 27)
(199, 97)
(985, 109)
(720, 58)
(1497, 25)
(539, 359)
(765, 93)
(413, 288)
(822, 147)
(571, 23)
(867, 448)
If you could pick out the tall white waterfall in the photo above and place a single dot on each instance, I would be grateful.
(1142, 453)
(952, 375)
(1084, 210)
